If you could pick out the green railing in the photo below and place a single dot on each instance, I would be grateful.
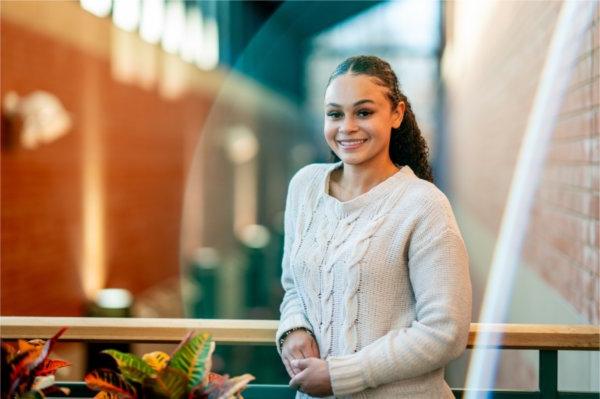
(547, 339)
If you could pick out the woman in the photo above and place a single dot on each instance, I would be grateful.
(377, 289)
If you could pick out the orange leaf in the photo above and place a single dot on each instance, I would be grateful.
(25, 346)
(107, 395)
(214, 378)
(108, 380)
(51, 365)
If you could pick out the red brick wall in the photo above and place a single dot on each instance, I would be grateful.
(563, 240)
(489, 106)
(143, 139)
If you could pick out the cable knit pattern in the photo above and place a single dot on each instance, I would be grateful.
(381, 280)
(353, 282)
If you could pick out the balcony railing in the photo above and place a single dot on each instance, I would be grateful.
(547, 339)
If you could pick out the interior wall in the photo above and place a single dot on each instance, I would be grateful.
(492, 67)
(125, 152)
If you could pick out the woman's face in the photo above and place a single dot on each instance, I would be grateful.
(359, 119)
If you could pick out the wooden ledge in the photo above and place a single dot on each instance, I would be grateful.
(261, 332)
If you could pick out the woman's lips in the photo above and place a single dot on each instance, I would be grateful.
(351, 144)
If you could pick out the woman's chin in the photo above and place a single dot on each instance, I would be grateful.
(351, 159)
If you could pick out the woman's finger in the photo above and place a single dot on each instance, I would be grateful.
(306, 352)
(295, 355)
(288, 367)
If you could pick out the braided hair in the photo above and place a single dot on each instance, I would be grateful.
(407, 145)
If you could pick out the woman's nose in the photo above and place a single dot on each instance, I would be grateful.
(348, 125)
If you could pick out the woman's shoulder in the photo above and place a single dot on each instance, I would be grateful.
(308, 174)
(422, 191)
(427, 199)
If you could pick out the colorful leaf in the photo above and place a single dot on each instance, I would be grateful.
(170, 382)
(110, 381)
(55, 389)
(46, 349)
(184, 341)
(32, 395)
(216, 378)
(194, 358)
(228, 387)
(40, 383)
(157, 360)
(8, 352)
(50, 366)
(34, 344)
(132, 367)
(19, 370)
(107, 395)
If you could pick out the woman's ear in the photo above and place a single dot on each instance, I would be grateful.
(398, 115)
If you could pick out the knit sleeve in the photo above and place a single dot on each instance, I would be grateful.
(439, 275)
(291, 309)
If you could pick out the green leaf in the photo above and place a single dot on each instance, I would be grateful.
(132, 367)
(193, 358)
(170, 382)
(32, 395)
(110, 381)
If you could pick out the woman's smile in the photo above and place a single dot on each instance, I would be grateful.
(351, 144)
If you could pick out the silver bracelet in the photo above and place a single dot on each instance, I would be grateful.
(291, 330)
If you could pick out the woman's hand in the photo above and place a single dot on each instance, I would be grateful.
(313, 377)
(298, 345)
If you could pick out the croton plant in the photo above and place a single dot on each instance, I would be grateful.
(27, 372)
(183, 375)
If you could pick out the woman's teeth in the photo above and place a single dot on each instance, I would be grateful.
(351, 143)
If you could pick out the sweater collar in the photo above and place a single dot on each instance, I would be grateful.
(345, 208)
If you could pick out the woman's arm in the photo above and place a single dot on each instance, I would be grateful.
(292, 311)
(439, 275)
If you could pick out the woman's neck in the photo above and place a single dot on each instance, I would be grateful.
(353, 180)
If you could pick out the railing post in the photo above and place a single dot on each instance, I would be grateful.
(548, 382)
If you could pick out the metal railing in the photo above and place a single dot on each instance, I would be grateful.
(547, 339)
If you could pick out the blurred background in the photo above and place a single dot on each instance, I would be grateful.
(147, 146)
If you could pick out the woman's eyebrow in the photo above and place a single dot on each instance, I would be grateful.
(359, 102)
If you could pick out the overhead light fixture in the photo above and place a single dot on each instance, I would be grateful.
(100, 8)
(174, 27)
(126, 14)
(194, 36)
(153, 18)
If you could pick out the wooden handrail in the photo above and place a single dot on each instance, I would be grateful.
(86, 329)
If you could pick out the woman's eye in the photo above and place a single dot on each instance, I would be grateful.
(334, 114)
(363, 113)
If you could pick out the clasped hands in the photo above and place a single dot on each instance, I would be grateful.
(308, 372)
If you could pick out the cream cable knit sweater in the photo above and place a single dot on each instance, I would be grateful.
(382, 280)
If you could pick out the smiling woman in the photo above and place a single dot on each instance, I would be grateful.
(375, 271)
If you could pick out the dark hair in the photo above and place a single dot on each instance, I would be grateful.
(407, 145)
